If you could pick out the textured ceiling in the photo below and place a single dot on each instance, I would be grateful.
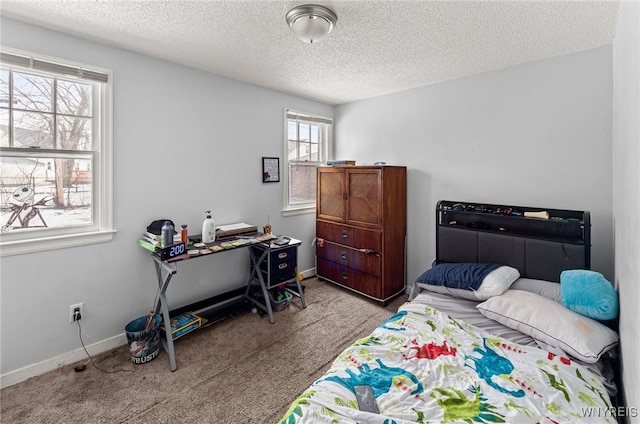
(378, 47)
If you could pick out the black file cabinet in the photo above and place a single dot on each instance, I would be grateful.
(279, 266)
(271, 266)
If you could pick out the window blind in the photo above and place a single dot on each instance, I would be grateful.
(307, 118)
(47, 66)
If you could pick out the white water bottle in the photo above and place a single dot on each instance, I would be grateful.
(208, 229)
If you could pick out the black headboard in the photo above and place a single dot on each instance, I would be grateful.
(538, 247)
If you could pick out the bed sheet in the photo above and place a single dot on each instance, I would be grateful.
(422, 365)
(465, 310)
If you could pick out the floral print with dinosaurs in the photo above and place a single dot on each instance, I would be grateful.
(426, 367)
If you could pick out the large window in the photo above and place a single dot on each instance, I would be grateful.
(306, 146)
(55, 154)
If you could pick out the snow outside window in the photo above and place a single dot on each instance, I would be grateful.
(55, 154)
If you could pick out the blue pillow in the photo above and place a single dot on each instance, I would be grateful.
(473, 281)
(464, 276)
(588, 293)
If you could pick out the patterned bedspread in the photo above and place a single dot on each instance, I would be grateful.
(426, 367)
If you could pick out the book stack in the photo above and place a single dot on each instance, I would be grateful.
(153, 242)
(341, 162)
(240, 229)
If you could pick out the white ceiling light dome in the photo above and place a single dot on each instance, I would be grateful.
(311, 22)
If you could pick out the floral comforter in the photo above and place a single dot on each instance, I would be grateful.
(423, 366)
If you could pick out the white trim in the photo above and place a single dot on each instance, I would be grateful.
(299, 211)
(327, 151)
(19, 247)
(25, 373)
(285, 164)
(54, 59)
(101, 230)
(308, 118)
(309, 273)
(34, 370)
(106, 159)
(55, 67)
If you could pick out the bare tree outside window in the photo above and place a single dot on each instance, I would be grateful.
(56, 160)
(46, 122)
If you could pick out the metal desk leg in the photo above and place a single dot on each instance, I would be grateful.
(163, 305)
(301, 293)
(255, 270)
(298, 293)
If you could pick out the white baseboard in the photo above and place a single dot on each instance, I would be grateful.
(25, 373)
(308, 273)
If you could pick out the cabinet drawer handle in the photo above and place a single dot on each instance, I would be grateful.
(345, 234)
(282, 255)
(345, 276)
(282, 266)
(343, 255)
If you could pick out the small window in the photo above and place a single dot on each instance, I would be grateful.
(55, 161)
(307, 144)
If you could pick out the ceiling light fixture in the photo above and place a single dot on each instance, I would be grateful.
(311, 22)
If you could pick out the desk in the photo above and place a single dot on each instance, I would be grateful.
(165, 270)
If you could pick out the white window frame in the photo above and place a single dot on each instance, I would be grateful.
(101, 229)
(326, 150)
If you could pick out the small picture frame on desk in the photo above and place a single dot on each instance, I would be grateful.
(270, 170)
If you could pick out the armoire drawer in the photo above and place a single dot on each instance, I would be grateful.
(350, 257)
(348, 277)
(358, 238)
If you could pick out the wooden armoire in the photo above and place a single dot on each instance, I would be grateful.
(361, 228)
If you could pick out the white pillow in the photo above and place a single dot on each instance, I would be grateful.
(552, 323)
(544, 288)
(495, 283)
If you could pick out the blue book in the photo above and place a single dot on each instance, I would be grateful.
(183, 324)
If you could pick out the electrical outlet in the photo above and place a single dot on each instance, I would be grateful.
(78, 307)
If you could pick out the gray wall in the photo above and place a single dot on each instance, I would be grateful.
(626, 190)
(537, 134)
(212, 132)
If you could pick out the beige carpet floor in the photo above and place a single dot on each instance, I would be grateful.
(239, 370)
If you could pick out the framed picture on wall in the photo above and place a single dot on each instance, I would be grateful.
(270, 170)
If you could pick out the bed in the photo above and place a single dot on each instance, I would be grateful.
(502, 348)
